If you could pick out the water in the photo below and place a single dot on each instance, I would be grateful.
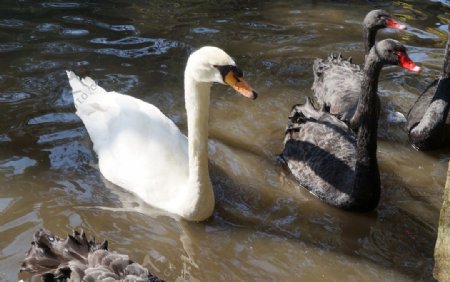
(264, 227)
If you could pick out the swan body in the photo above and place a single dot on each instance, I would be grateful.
(337, 81)
(78, 259)
(428, 121)
(144, 152)
(325, 155)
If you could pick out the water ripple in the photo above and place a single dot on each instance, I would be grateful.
(124, 41)
(421, 33)
(5, 203)
(74, 32)
(62, 48)
(13, 97)
(54, 117)
(11, 23)
(39, 66)
(161, 46)
(69, 155)
(47, 27)
(265, 26)
(58, 5)
(4, 138)
(122, 83)
(79, 19)
(8, 47)
(61, 135)
(204, 30)
(16, 165)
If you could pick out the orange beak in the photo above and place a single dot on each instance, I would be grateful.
(240, 85)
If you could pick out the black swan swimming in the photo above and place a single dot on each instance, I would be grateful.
(337, 81)
(78, 259)
(428, 121)
(327, 157)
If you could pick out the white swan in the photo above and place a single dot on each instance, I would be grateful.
(143, 151)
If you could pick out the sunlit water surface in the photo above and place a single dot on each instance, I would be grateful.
(265, 227)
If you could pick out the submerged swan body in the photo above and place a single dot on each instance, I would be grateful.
(327, 157)
(337, 81)
(78, 259)
(429, 119)
(144, 152)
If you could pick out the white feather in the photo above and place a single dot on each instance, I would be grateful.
(143, 151)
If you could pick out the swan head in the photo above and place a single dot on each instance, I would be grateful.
(211, 64)
(378, 19)
(392, 52)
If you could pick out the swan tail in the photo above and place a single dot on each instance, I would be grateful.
(79, 259)
(83, 88)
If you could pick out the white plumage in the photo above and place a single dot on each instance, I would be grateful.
(143, 151)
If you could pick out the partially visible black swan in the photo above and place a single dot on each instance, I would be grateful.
(429, 120)
(327, 157)
(337, 82)
(78, 259)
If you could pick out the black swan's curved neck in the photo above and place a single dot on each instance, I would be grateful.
(366, 169)
(429, 132)
(446, 68)
(369, 38)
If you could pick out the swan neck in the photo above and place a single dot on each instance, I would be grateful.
(197, 109)
(369, 35)
(201, 199)
(446, 68)
(431, 127)
(368, 110)
(366, 185)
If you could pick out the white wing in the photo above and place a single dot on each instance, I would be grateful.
(138, 147)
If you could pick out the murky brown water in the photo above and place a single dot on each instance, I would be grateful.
(264, 227)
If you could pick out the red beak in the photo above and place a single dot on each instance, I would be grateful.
(395, 24)
(406, 62)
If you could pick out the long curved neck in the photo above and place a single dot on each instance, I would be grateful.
(446, 68)
(366, 168)
(197, 109)
(369, 35)
(428, 131)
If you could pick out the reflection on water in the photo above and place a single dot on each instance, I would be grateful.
(264, 227)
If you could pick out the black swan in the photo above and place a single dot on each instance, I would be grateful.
(327, 157)
(337, 81)
(428, 121)
(78, 259)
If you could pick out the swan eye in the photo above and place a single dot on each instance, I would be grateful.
(225, 70)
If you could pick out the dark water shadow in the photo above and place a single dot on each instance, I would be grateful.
(363, 236)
